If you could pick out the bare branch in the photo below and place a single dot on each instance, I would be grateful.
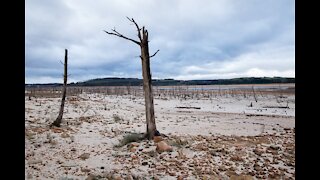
(138, 29)
(116, 33)
(155, 53)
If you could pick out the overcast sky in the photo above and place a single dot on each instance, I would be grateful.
(198, 39)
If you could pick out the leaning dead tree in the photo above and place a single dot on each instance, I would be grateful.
(58, 121)
(147, 87)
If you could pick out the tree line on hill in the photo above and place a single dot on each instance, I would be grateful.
(115, 81)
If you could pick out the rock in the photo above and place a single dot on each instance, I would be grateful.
(133, 149)
(144, 163)
(274, 147)
(85, 170)
(68, 164)
(59, 161)
(65, 135)
(133, 156)
(238, 148)
(213, 152)
(241, 177)
(201, 147)
(150, 151)
(136, 176)
(37, 145)
(236, 158)
(155, 178)
(73, 149)
(147, 150)
(272, 175)
(84, 156)
(129, 177)
(290, 164)
(134, 144)
(116, 177)
(257, 167)
(162, 156)
(157, 139)
(35, 161)
(91, 177)
(54, 142)
(160, 168)
(231, 173)
(163, 146)
(180, 177)
(172, 173)
(258, 151)
(222, 168)
(107, 175)
(30, 154)
(251, 173)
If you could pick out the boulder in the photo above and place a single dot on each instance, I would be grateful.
(163, 146)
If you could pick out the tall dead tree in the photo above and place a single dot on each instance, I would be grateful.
(58, 121)
(147, 87)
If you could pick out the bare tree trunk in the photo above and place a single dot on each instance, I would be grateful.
(58, 121)
(147, 86)
(254, 95)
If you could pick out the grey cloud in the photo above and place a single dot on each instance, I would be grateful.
(197, 39)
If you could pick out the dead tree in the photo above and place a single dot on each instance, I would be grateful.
(254, 94)
(147, 87)
(58, 121)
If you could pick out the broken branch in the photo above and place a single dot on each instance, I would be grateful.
(155, 53)
(116, 33)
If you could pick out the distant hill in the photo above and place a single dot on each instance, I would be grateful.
(171, 82)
